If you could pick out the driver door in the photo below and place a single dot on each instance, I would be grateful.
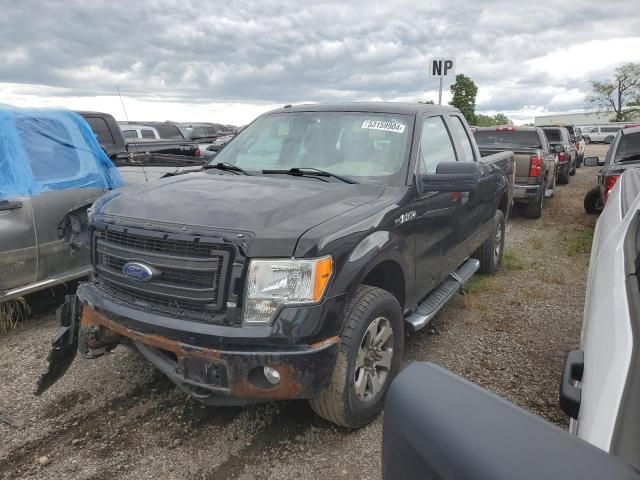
(18, 247)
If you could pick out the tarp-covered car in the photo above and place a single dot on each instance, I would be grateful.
(51, 170)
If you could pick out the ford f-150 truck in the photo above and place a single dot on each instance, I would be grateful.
(292, 267)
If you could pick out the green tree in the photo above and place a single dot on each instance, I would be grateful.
(489, 121)
(464, 93)
(502, 119)
(620, 95)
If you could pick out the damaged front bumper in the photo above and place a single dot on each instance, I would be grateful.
(211, 375)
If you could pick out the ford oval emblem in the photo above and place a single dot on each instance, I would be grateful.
(137, 271)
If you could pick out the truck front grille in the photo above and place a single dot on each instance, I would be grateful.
(189, 273)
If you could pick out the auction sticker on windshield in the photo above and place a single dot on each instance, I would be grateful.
(386, 126)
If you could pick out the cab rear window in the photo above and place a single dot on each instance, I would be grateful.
(511, 138)
(553, 135)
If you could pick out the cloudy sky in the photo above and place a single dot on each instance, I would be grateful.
(229, 61)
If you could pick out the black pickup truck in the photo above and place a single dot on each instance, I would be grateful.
(116, 147)
(292, 266)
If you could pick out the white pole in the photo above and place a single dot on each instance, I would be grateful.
(440, 96)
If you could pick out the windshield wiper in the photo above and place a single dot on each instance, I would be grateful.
(226, 166)
(309, 171)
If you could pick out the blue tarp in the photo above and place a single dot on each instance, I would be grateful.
(49, 149)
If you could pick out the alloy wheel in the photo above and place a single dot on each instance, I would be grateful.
(374, 359)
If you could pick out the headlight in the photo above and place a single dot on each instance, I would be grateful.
(272, 283)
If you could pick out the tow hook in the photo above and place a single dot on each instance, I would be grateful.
(64, 345)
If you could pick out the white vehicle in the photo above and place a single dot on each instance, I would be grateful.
(600, 133)
(428, 409)
(601, 382)
(138, 132)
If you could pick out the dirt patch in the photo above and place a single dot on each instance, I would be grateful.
(116, 417)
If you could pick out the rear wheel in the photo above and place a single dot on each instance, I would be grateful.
(369, 357)
(587, 140)
(563, 179)
(534, 207)
(593, 204)
(490, 253)
(608, 139)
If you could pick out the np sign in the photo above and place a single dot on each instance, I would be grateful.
(441, 67)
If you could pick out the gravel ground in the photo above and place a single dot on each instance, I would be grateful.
(116, 417)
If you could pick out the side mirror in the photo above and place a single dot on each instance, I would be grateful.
(558, 148)
(438, 425)
(593, 162)
(451, 177)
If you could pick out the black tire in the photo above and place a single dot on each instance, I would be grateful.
(593, 204)
(608, 139)
(563, 179)
(534, 207)
(579, 161)
(491, 257)
(587, 140)
(339, 403)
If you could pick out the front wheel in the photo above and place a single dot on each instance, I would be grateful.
(490, 252)
(369, 357)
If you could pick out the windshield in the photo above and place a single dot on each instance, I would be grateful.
(628, 148)
(367, 147)
(515, 138)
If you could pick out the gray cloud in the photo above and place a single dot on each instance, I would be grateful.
(284, 51)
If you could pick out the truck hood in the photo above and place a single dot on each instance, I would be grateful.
(270, 212)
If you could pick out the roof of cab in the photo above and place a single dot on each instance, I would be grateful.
(372, 107)
(516, 128)
(630, 130)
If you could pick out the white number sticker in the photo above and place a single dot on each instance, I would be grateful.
(386, 126)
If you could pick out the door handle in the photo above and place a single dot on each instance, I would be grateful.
(7, 205)
(571, 395)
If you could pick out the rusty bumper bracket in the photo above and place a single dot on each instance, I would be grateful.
(64, 345)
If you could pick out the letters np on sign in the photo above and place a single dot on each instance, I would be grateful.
(441, 67)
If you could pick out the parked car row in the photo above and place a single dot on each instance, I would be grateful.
(210, 137)
(544, 157)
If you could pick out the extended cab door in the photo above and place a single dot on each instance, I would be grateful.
(18, 249)
(475, 210)
(433, 229)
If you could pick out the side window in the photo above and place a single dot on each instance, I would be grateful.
(435, 145)
(129, 134)
(210, 131)
(147, 133)
(101, 130)
(463, 137)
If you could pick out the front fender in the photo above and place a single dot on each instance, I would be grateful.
(377, 247)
